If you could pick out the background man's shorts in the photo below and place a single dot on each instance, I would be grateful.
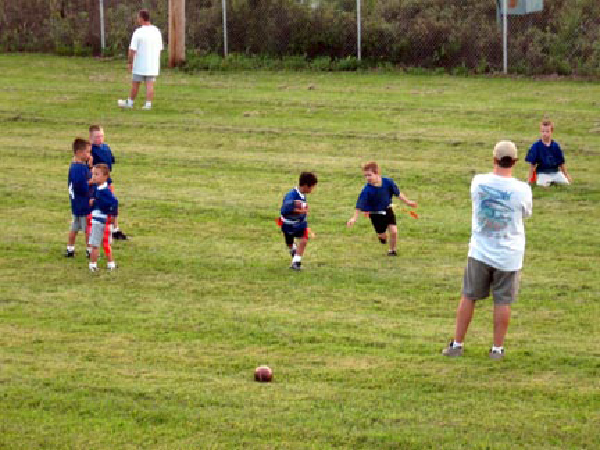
(99, 232)
(480, 278)
(142, 78)
(78, 223)
(381, 221)
(544, 179)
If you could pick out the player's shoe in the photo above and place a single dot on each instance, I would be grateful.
(124, 104)
(94, 270)
(494, 354)
(453, 351)
(88, 254)
(70, 254)
(296, 266)
(119, 235)
(392, 253)
(112, 269)
(147, 107)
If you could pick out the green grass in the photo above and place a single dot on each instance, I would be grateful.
(160, 355)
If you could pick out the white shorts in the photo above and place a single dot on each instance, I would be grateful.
(143, 78)
(545, 179)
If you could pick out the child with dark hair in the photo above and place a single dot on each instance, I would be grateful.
(79, 192)
(546, 159)
(293, 217)
(376, 201)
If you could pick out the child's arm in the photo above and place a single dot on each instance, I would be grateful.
(531, 172)
(563, 169)
(353, 218)
(407, 201)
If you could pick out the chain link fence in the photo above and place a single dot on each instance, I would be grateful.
(451, 34)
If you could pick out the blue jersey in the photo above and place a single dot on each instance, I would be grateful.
(547, 158)
(291, 220)
(103, 155)
(79, 189)
(105, 203)
(377, 198)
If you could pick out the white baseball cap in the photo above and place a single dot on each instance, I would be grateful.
(505, 148)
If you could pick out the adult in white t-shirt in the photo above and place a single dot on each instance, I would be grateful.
(143, 59)
(500, 203)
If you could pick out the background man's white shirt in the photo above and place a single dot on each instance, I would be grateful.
(497, 230)
(147, 43)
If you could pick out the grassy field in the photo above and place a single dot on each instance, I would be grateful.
(160, 354)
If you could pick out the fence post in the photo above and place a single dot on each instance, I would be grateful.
(224, 7)
(176, 32)
(102, 42)
(358, 32)
(505, 36)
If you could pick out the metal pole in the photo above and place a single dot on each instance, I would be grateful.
(225, 49)
(102, 42)
(505, 35)
(358, 44)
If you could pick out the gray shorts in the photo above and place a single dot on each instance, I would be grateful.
(143, 78)
(79, 223)
(97, 234)
(480, 278)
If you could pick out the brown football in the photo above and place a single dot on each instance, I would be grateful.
(263, 374)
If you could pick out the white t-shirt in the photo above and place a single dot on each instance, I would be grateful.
(147, 43)
(497, 231)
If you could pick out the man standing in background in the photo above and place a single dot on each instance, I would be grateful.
(143, 60)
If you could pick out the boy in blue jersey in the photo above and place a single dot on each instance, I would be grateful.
(102, 154)
(547, 159)
(79, 192)
(104, 206)
(376, 201)
(293, 217)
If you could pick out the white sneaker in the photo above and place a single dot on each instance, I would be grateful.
(147, 107)
(124, 104)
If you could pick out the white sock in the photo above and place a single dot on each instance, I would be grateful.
(70, 248)
(497, 349)
(129, 101)
(457, 344)
(93, 265)
(111, 264)
(148, 104)
(296, 258)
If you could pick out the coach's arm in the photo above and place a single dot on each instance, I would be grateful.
(130, 58)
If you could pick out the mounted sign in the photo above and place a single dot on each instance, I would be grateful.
(520, 7)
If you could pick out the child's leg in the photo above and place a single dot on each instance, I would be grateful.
(71, 239)
(106, 244)
(94, 255)
(393, 237)
(301, 246)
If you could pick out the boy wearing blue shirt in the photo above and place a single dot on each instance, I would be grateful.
(547, 159)
(104, 206)
(79, 192)
(102, 154)
(293, 217)
(376, 201)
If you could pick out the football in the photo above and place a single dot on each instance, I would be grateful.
(263, 374)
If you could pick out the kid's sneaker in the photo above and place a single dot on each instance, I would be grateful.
(147, 107)
(453, 351)
(70, 254)
(119, 235)
(494, 354)
(392, 253)
(94, 270)
(296, 266)
(124, 104)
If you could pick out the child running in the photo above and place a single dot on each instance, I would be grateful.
(293, 217)
(104, 206)
(376, 201)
